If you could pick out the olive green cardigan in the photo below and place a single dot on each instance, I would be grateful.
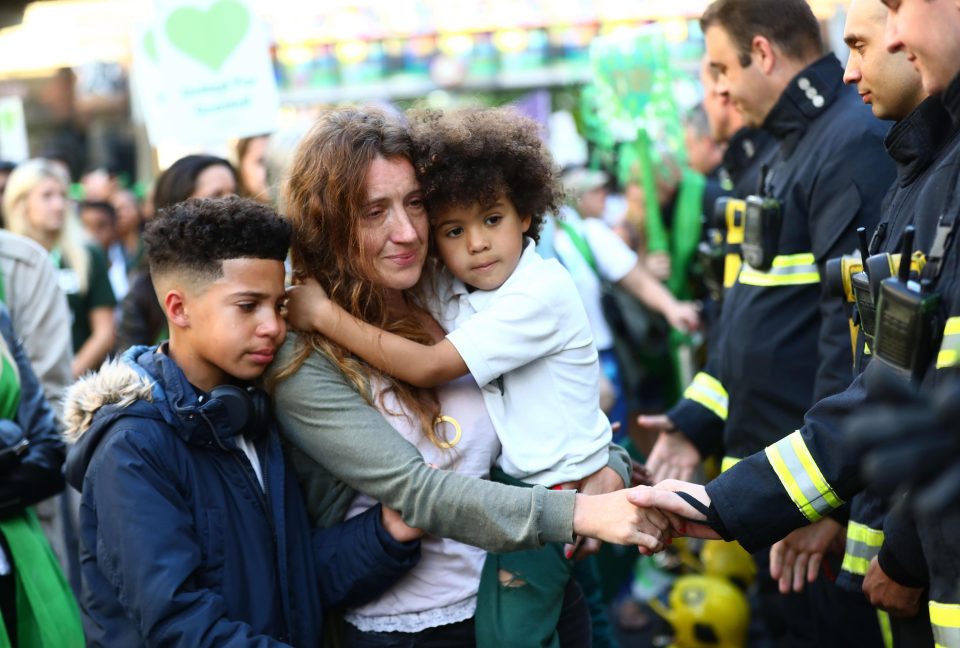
(338, 445)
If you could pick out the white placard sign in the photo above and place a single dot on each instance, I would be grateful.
(203, 72)
(13, 130)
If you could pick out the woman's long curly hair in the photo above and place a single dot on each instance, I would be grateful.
(325, 193)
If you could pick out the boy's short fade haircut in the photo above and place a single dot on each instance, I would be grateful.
(788, 24)
(198, 235)
(472, 156)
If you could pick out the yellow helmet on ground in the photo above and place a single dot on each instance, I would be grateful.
(706, 612)
(728, 560)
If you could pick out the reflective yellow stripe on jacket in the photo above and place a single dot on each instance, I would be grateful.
(801, 477)
(863, 544)
(787, 270)
(707, 390)
(949, 355)
(728, 462)
(945, 619)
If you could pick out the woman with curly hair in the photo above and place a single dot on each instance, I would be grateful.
(515, 322)
(361, 232)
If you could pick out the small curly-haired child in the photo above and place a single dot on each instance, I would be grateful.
(515, 322)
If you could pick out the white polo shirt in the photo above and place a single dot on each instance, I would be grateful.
(614, 260)
(529, 347)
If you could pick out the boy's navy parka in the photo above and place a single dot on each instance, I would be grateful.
(179, 543)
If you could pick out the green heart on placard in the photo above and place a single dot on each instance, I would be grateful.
(150, 46)
(210, 36)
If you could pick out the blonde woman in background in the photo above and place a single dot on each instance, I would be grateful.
(35, 205)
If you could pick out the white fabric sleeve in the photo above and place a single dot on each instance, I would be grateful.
(512, 331)
(614, 257)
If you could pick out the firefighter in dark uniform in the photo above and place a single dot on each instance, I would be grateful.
(807, 474)
(747, 150)
(918, 141)
(704, 403)
(785, 341)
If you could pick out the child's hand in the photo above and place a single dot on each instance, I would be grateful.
(640, 475)
(306, 303)
(396, 527)
(605, 480)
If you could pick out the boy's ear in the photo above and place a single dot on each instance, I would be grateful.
(175, 307)
(525, 222)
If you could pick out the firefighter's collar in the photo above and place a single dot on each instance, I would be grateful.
(806, 97)
(742, 148)
(951, 99)
(914, 141)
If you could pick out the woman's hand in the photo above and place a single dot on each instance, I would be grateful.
(396, 527)
(308, 307)
(605, 480)
(613, 518)
(685, 519)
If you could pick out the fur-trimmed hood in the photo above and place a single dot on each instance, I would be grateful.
(117, 383)
(147, 385)
(121, 388)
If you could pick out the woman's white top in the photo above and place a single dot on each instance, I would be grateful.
(442, 588)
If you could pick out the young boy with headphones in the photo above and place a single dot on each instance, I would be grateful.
(193, 531)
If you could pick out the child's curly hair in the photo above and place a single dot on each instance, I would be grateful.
(471, 156)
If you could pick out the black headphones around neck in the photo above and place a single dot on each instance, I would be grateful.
(248, 409)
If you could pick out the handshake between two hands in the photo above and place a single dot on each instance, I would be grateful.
(646, 516)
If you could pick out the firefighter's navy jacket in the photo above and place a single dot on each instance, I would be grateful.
(785, 342)
(916, 143)
(703, 407)
(805, 475)
(747, 150)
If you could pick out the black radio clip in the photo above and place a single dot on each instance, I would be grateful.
(906, 317)
(762, 222)
(719, 251)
